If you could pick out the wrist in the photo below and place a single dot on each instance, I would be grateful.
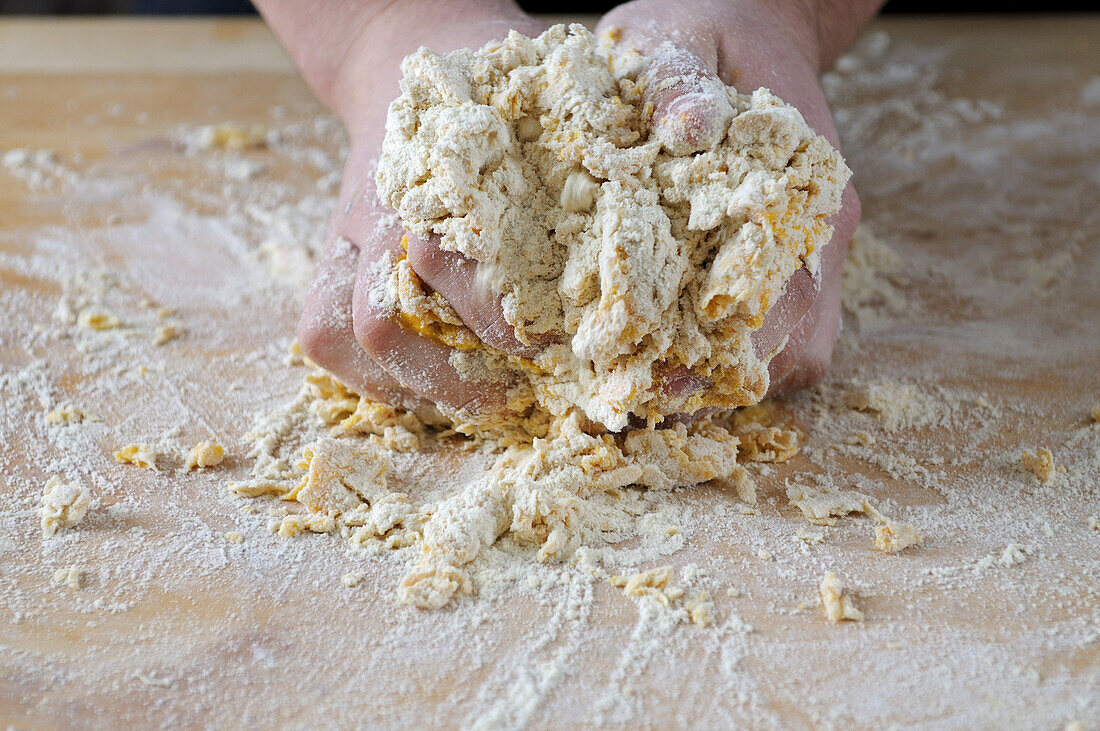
(371, 68)
(820, 29)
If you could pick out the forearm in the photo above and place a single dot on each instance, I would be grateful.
(321, 36)
(838, 23)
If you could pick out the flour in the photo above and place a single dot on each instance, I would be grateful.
(176, 619)
(631, 260)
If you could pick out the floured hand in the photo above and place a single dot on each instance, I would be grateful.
(698, 46)
(341, 329)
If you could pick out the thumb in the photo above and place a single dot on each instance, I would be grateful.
(686, 103)
(685, 100)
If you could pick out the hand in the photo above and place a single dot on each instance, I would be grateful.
(341, 329)
(778, 44)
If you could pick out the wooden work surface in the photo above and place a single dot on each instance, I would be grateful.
(976, 149)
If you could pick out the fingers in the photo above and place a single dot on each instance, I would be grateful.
(688, 105)
(326, 335)
(418, 364)
(808, 351)
(798, 296)
(685, 100)
(456, 278)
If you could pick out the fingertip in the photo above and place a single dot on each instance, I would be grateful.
(460, 281)
(691, 120)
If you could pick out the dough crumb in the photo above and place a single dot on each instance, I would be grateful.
(139, 455)
(63, 505)
(234, 536)
(657, 585)
(203, 455)
(700, 609)
(353, 578)
(229, 137)
(892, 536)
(860, 438)
(838, 605)
(1015, 554)
(293, 525)
(1095, 413)
(820, 504)
(810, 538)
(166, 333)
(766, 443)
(72, 577)
(91, 319)
(1039, 463)
(66, 414)
(764, 555)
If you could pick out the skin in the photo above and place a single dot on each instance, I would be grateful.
(349, 52)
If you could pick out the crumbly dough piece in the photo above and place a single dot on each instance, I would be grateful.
(891, 536)
(341, 475)
(767, 443)
(64, 505)
(166, 333)
(838, 605)
(657, 585)
(64, 415)
(93, 319)
(639, 265)
(821, 504)
(295, 525)
(204, 454)
(139, 455)
(72, 577)
(1039, 463)
(229, 137)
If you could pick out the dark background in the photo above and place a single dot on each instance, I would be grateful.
(230, 7)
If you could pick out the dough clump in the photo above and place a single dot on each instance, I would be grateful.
(63, 505)
(632, 266)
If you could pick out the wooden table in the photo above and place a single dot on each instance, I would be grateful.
(976, 148)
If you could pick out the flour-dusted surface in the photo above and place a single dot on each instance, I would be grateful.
(972, 343)
(626, 261)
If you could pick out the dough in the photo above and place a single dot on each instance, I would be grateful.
(837, 604)
(536, 157)
(638, 265)
(203, 455)
(139, 455)
(63, 506)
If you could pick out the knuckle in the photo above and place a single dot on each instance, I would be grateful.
(372, 331)
(317, 342)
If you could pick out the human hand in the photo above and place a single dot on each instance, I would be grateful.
(782, 45)
(341, 329)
